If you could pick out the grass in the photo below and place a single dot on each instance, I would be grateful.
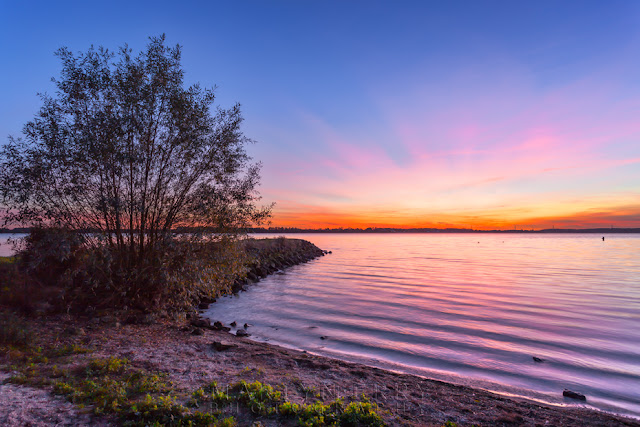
(7, 260)
(138, 397)
(266, 400)
(113, 386)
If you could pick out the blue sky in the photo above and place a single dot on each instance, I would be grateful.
(481, 113)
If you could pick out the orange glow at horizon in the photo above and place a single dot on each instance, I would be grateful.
(490, 149)
(307, 217)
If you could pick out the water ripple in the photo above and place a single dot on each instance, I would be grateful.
(447, 307)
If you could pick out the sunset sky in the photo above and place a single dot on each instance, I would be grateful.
(483, 114)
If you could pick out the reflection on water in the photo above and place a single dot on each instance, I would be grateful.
(7, 243)
(468, 308)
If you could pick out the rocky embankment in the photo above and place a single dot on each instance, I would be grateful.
(268, 256)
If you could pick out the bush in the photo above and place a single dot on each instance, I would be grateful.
(122, 156)
(90, 274)
(48, 252)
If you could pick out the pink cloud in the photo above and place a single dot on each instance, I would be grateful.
(504, 148)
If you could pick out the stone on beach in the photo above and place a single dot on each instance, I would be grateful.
(217, 325)
(222, 346)
(201, 323)
(573, 395)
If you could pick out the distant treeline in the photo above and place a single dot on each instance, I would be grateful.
(273, 230)
(436, 230)
(14, 230)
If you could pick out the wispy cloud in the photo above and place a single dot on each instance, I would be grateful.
(492, 148)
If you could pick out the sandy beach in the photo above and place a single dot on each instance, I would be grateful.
(191, 361)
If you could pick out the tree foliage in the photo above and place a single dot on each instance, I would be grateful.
(124, 154)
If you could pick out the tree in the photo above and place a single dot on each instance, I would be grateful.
(124, 154)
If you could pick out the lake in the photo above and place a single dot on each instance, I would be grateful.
(6, 242)
(472, 309)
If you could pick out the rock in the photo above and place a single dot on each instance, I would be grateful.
(510, 418)
(242, 333)
(237, 286)
(233, 324)
(197, 331)
(201, 323)
(222, 346)
(203, 305)
(573, 395)
(218, 326)
(538, 359)
(323, 337)
(246, 325)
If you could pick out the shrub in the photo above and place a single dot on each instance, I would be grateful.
(89, 274)
(118, 160)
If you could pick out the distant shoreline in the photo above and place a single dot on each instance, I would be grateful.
(284, 230)
(450, 230)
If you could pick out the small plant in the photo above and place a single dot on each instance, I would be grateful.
(227, 422)
(316, 414)
(289, 409)
(161, 410)
(106, 366)
(67, 350)
(361, 413)
(221, 397)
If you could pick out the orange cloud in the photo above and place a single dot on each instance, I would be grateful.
(290, 214)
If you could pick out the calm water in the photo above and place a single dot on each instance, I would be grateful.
(466, 308)
(6, 243)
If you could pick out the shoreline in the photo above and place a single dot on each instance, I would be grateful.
(548, 397)
(459, 381)
(191, 361)
(191, 353)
